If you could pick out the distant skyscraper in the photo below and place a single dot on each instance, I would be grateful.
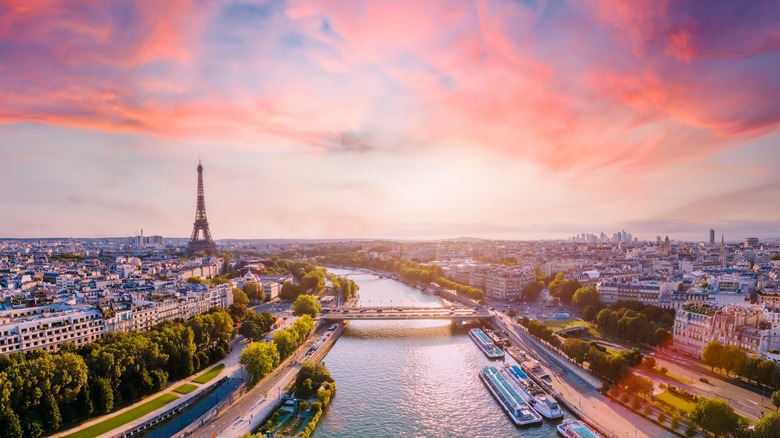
(201, 242)
(712, 237)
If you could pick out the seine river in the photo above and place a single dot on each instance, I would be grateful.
(410, 378)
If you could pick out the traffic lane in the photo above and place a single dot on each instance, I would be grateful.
(746, 402)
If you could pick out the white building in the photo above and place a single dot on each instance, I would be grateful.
(48, 327)
(646, 292)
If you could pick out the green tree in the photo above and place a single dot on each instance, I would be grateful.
(589, 314)
(674, 424)
(586, 296)
(286, 341)
(306, 305)
(712, 354)
(511, 313)
(532, 290)
(259, 359)
(238, 312)
(776, 399)
(649, 362)
(239, 297)
(103, 395)
(733, 357)
(312, 282)
(768, 426)
(254, 292)
(289, 291)
(715, 416)
(303, 327)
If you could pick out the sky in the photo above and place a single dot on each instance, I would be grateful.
(399, 119)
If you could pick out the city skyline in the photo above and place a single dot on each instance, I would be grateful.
(404, 120)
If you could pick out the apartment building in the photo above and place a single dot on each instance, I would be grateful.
(646, 292)
(48, 327)
(745, 327)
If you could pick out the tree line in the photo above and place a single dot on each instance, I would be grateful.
(260, 358)
(636, 322)
(611, 367)
(730, 358)
(539, 330)
(41, 391)
(409, 270)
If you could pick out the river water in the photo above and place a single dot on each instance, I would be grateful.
(411, 378)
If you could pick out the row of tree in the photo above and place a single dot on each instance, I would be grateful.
(344, 286)
(313, 378)
(632, 325)
(256, 325)
(608, 366)
(731, 358)
(260, 358)
(409, 270)
(40, 391)
(540, 331)
(562, 288)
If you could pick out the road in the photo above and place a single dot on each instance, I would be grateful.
(745, 402)
(581, 392)
(248, 413)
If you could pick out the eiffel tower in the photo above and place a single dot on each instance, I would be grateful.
(200, 242)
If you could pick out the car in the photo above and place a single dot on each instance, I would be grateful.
(379, 310)
(346, 311)
(400, 310)
(492, 308)
(704, 380)
(452, 312)
(362, 310)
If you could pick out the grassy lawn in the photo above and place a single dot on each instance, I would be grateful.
(210, 374)
(185, 388)
(680, 379)
(676, 401)
(560, 324)
(124, 418)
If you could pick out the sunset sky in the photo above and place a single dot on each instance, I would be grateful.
(390, 119)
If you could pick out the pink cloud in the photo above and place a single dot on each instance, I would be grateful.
(598, 85)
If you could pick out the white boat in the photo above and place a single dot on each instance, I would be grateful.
(485, 344)
(576, 429)
(514, 405)
(533, 394)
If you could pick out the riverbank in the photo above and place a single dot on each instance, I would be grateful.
(569, 384)
(258, 404)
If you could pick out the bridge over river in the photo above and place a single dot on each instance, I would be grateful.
(380, 313)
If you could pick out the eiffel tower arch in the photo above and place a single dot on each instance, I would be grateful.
(201, 242)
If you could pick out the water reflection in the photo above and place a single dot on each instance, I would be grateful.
(410, 378)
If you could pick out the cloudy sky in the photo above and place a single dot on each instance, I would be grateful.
(402, 119)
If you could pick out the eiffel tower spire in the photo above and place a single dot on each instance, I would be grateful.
(201, 242)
